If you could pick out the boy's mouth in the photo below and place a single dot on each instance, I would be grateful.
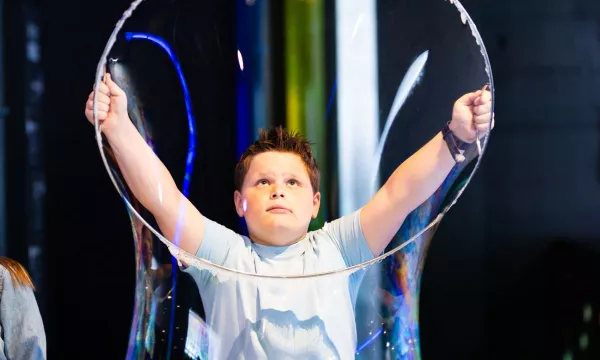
(278, 209)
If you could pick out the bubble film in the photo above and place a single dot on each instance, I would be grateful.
(367, 82)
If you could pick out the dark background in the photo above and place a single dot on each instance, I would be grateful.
(514, 263)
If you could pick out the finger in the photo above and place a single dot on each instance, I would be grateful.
(103, 89)
(91, 97)
(100, 106)
(482, 119)
(468, 99)
(482, 109)
(493, 121)
(482, 128)
(113, 87)
(486, 97)
(101, 115)
(102, 99)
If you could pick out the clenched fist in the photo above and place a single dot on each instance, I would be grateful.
(112, 105)
(471, 115)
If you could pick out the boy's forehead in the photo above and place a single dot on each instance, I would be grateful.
(277, 162)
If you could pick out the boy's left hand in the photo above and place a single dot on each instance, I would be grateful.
(471, 115)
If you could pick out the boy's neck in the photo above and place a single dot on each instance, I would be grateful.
(259, 241)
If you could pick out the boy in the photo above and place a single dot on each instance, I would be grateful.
(277, 192)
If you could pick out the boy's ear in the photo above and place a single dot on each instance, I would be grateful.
(316, 205)
(239, 203)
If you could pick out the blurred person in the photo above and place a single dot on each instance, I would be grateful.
(22, 334)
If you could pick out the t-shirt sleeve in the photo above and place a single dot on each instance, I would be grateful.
(219, 244)
(348, 236)
(22, 327)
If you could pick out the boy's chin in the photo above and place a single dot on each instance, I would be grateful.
(282, 224)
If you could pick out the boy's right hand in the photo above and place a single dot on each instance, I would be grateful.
(112, 105)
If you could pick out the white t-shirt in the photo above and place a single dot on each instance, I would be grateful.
(310, 318)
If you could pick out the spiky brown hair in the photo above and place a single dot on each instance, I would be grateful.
(279, 140)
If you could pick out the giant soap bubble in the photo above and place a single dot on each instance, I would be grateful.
(367, 82)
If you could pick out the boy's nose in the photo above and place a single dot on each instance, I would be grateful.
(277, 193)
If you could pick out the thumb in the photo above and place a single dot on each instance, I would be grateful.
(469, 98)
(113, 87)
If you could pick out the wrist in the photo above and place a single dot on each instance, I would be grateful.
(456, 145)
(118, 131)
(464, 144)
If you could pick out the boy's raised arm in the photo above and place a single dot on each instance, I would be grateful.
(146, 176)
(416, 179)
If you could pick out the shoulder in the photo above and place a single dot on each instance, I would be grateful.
(7, 285)
(13, 275)
(341, 226)
(3, 274)
(344, 235)
(322, 240)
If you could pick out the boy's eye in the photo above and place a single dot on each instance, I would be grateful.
(262, 182)
(292, 182)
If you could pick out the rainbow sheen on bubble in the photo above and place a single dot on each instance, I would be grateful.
(369, 82)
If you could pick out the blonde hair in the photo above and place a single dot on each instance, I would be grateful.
(18, 274)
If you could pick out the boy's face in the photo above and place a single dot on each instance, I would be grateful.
(277, 199)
